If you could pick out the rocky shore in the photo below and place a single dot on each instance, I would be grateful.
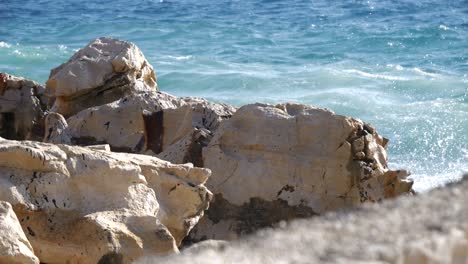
(99, 166)
(428, 228)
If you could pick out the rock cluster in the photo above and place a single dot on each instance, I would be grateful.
(428, 228)
(272, 163)
(94, 202)
(123, 170)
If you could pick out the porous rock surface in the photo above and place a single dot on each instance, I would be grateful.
(103, 71)
(22, 104)
(14, 246)
(82, 205)
(424, 229)
(272, 163)
(152, 123)
(56, 129)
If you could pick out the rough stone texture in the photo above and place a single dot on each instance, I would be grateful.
(103, 71)
(22, 103)
(14, 246)
(423, 229)
(81, 205)
(273, 163)
(187, 149)
(207, 114)
(56, 129)
(155, 124)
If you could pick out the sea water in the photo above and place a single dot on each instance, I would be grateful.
(400, 65)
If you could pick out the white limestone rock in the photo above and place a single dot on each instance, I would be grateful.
(105, 70)
(56, 129)
(22, 105)
(81, 205)
(429, 228)
(14, 246)
(207, 114)
(272, 163)
(156, 124)
(120, 124)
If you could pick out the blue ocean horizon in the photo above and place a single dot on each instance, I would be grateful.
(399, 65)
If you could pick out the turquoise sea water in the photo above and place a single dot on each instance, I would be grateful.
(400, 65)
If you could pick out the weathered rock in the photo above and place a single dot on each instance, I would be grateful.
(81, 205)
(22, 105)
(187, 149)
(102, 72)
(56, 129)
(427, 228)
(207, 114)
(273, 163)
(156, 124)
(121, 125)
(14, 246)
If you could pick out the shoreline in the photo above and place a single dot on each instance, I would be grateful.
(99, 145)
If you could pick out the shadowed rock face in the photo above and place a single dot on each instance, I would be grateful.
(22, 106)
(247, 218)
(154, 131)
(427, 228)
(289, 161)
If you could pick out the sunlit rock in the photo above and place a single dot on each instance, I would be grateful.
(105, 70)
(81, 205)
(272, 163)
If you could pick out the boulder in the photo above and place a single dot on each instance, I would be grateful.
(272, 163)
(83, 205)
(14, 246)
(427, 228)
(156, 124)
(22, 105)
(105, 70)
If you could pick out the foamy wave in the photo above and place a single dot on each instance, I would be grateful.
(465, 153)
(433, 75)
(180, 57)
(423, 182)
(377, 76)
(397, 67)
(417, 70)
(17, 52)
(4, 45)
(444, 27)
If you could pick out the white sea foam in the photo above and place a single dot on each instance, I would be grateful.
(465, 153)
(443, 27)
(414, 70)
(4, 45)
(376, 76)
(188, 57)
(418, 70)
(397, 67)
(423, 182)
